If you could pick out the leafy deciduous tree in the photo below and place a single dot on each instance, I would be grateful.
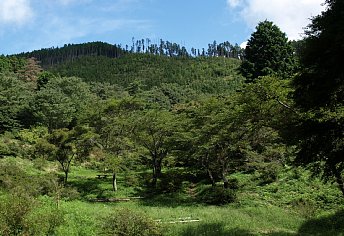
(155, 131)
(66, 145)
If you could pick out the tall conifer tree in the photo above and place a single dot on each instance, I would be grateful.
(268, 52)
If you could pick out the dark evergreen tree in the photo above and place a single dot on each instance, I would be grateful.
(320, 94)
(268, 52)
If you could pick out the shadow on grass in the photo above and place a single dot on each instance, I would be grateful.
(332, 225)
(170, 191)
(214, 229)
(166, 199)
(87, 187)
(189, 195)
(218, 229)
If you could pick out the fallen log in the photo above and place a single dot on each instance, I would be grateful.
(180, 220)
(183, 221)
(110, 200)
(126, 199)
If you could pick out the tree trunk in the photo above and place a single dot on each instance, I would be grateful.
(224, 175)
(225, 181)
(66, 177)
(114, 182)
(156, 171)
(211, 177)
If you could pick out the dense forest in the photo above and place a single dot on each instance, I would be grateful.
(100, 139)
(70, 52)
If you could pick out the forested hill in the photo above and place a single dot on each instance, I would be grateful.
(202, 74)
(53, 56)
(69, 52)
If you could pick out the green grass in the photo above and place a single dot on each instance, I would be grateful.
(294, 205)
(213, 220)
(260, 210)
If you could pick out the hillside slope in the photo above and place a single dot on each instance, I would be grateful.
(206, 75)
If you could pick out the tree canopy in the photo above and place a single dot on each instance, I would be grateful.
(268, 52)
(320, 93)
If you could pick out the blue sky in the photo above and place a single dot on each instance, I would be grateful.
(26, 25)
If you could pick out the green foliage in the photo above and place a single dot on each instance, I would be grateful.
(10, 146)
(51, 56)
(11, 64)
(61, 103)
(171, 182)
(217, 195)
(44, 219)
(268, 52)
(156, 131)
(319, 93)
(65, 145)
(242, 131)
(21, 178)
(214, 134)
(268, 173)
(125, 222)
(13, 209)
(20, 214)
(188, 120)
(43, 79)
(14, 97)
(78, 221)
(137, 72)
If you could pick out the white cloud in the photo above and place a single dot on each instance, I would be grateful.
(233, 3)
(58, 31)
(290, 15)
(243, 44)
(15, 11)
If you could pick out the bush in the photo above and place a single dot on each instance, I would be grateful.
(128, 223)
(305, 207)
(170, 182)
(217, 195)
(20, 214)
(11, 174)
(70, 194)
(131, 179)
(268, 174)
(233, 184)
(13, 209)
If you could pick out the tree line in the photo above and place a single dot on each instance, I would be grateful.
(69, 52)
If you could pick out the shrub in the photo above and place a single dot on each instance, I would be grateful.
(13, 209)
(217, 195)
(15, 176)
(305, 207)
(171, 182)
(268, 174)
(70, 194)
(131, 179)
(233, 184)
(129, 223)
(20, 214)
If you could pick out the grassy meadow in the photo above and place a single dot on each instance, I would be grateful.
(296, 204)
